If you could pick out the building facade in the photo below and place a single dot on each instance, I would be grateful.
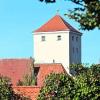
(57, 42)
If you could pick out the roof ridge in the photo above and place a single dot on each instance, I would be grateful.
(56, 23)
(44, 24)
(50, 21)
(63, 21)
(14, 59)
(69, 26)
(35, 86)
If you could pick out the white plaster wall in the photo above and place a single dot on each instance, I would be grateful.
(46, 51)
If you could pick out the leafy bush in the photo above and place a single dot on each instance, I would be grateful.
(6, 90)
(84, 85)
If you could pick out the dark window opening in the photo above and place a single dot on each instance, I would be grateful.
(72, 38)
(58, 37)
(77, 50)
(73, 49)
(43, 38)
(36, 70)
(76, 38)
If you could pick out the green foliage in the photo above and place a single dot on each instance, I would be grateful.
(84, 85)
(28, 80)
(96, 71)
(48, 1)
(57, 86)
(87, 89)
(87, 13)
(76, 69)
(6, 91)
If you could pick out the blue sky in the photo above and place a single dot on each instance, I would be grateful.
(18, 18)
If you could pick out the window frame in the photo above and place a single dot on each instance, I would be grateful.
(73, 50)
(77, 39)
(59, 38)
(43, 38)
(72, 38)
(77, 50)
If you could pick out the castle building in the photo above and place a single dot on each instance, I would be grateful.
(57, 42)
(56, 45)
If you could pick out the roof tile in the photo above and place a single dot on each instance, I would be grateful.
(57, 23)
(14, 68)
(46, 69)
(28, 91)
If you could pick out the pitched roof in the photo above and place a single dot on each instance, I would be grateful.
(15, 69)
(28, 91)
(46, 69)
(57, 23)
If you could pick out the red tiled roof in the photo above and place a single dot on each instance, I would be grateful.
(28, 91)
(57, 23)
(14, 68)
(46, 69)
(17, 68)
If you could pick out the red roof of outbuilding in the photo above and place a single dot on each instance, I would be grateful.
(27, 91)
(57, 23)
(15, 69)
(46, 69)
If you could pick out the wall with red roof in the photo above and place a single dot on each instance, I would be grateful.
(28, 91)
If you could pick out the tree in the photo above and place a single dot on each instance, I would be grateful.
(87, 13)
(96, 71)
(84, 85)
(28, 80)
(6, 90)
(57, 87)
(88, 85)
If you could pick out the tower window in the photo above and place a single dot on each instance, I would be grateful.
(42, 38)
(73, 49)
(58, 37)
(72, 38)
(76, 38)
(77, 50)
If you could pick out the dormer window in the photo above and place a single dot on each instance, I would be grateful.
(59, 37)
(42, 38)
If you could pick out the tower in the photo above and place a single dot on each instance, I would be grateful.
(57, 42)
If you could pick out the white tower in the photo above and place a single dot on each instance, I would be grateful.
(57, 42)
